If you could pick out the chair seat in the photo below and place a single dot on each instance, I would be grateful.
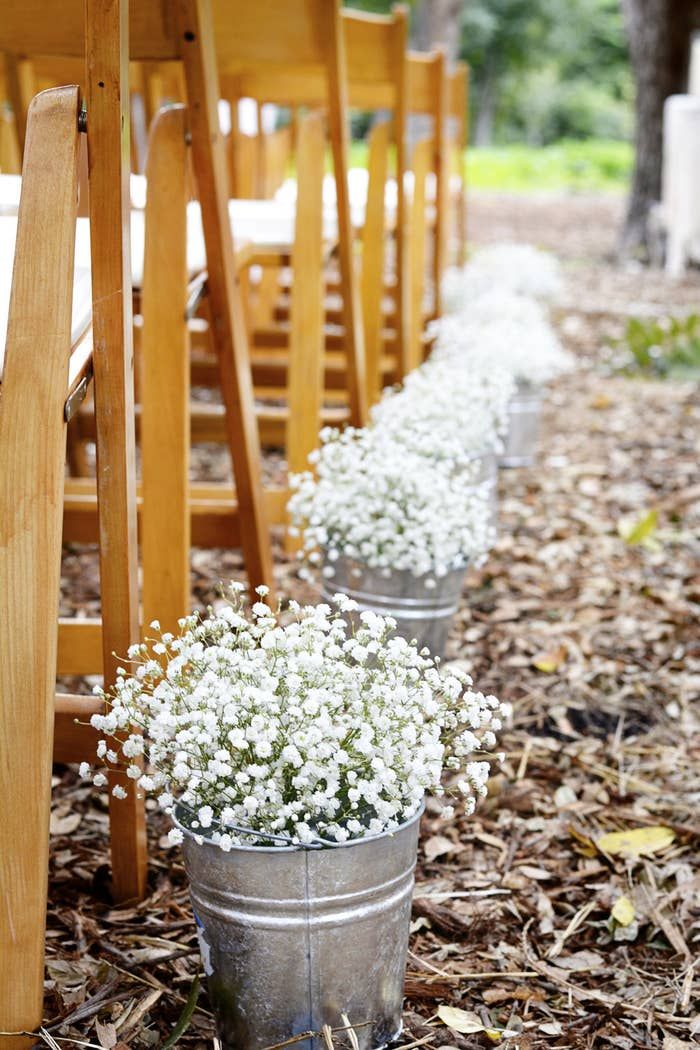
(258, 225)
(358, 184)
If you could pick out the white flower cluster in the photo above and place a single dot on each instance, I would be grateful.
(306, 730)
(521, 269)
(380, 498)
(450, 414)
(526, 347)
(498, 319)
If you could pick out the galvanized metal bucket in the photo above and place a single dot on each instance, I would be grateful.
(293, 939)
(423, 606)
(523, 430)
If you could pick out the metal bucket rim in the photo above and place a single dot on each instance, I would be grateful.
(301, 847)
(462, 566)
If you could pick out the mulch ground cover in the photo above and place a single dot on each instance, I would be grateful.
(585, 619)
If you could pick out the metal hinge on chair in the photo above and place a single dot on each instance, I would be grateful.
(195, 293)
(76, 397)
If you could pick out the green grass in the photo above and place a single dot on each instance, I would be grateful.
(590, 165)
(568, 165)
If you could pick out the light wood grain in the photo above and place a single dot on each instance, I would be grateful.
(106, 44)
(422, 153)
(372, 284)
(331, 32)
(165, 394)
(228, 323)
(306, 334)
(32, 453)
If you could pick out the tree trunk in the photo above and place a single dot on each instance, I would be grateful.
(438, 22)
(659, 38)
(485, 108)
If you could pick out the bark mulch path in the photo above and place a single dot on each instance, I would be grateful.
(595, 643)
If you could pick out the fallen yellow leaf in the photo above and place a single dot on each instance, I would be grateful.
(463, 1021)
(640, 532)
(623, 911)
(637, 842)
(549, 662)
(601, 401)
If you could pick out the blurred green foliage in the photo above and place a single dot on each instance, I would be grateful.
(543, 70)
(660, 348)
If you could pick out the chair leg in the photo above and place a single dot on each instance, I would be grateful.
(227, 315)
(337, 122)
(373, 242)
(165, 424)
(306, 345)
(108, 145)
(417, 251)
(32, 458)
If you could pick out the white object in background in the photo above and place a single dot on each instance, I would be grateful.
(694, 71)
(248, 117)
(680, 199)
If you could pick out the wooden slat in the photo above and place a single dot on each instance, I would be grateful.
(442, 180)
(106, 48)
(74, 738)
(305, 369)
(332, 32)
(214, 513)
(373, 258)
(417, 248)
(403, 304)
(79, 648)
(32, 457)
(57, 27)
(165, 391)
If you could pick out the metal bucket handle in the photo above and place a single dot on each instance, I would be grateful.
(318, 842)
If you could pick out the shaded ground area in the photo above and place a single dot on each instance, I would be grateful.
(595, 643)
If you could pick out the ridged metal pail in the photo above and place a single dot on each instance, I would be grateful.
(423, 606)
(293, 939)
(523, 429)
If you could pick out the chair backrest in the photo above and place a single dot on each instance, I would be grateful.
(293, 51)
(375, 49)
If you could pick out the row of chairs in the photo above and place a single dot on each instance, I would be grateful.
(298, 305)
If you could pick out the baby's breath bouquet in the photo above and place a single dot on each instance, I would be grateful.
(379, 498)
(525, 347)
(508, 266)
(448, 413)
(300, 728)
